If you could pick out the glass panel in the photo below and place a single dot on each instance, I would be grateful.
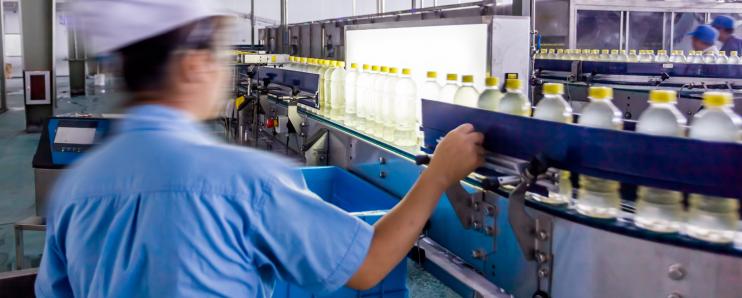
(395, 5)
(645, 30)
(598, 29)
(552, 21)
(685, 22)
(312, 10)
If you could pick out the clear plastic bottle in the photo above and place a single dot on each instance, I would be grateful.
(351, 82)
(448, 92)
(597, 197)
(584, 55)
(623, 56)
(569, 54)
(363, 91)
(614, 56)
(676, 57)
(551, 55)
(633, 57)
(373, 103)
(646, 56)
(559, 54)
(388, 104)
(660, 210)
(467, 95)
(514, 102)
(542, 54)
(491, 96)
(405, 111)
(710, 218)
(323, 78)
(733, 58)
(709, 57)
(431, 90)
(553, 107)
(661, 57)
(594, 55)
(337, 91)
(379, 94)
(722, 58)
(605, 55)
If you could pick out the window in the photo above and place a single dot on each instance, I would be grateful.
(598, 29)
(645, 30)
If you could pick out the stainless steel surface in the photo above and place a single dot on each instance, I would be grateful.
(593, 263)
(43, 182)
(3, 92)
(457, 268)
(252, 22)
(34, 223)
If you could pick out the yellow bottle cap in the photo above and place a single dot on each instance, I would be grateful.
(722, 53)
(551, 51)
(467, 79)
(491, 81)
(663, 96)
(384, 69)
(600, 93)
(586, 51)
(553, 88)
(513, 84)
(304, 60)
(393, 70)
(544, 51)
(595, 52)
(614, 52)
(375, 68)
(605, 51)
(274, 58)
(560, 51)
(733, 53)
(681, 52)
(452, 77)
(650, 52)
(662, 52)
(366, 67)
(406, 71)
(432, 75)
(623, 52)
(353, 66)
(632, 52)
(713, 99)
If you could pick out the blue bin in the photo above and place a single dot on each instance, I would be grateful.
(352, 194)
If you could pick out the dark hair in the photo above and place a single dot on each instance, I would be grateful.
(144, 64)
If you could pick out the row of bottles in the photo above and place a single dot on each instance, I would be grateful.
(641, 56)
(708, 218)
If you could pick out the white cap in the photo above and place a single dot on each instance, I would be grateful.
(113, 24)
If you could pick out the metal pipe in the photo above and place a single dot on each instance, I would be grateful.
(455, 266)
(380, 6)
(283, 28)
(252, 22)
(405, 12)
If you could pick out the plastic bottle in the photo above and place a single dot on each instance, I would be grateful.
(337, 94)
(388, 104)
(448, 92)
(633, 57)
(322, 71)
(351, 82)
(661, 57)
(431, 90)
(710, 218)
(514, 102)
(594, 55)
(605, 55)
(379, 94)
(559, 54)
(551, 55)
(491, 96)
(405, 110)
(709, 57)
(598, 197)
(553, 107)
(646, 56)
(363, 91)
(676, 57)
(722, 58)
(584, 55)
(614, 56)
(660, 210)
(467, 95)
(542, 54)
(733, 58)
(373, 100)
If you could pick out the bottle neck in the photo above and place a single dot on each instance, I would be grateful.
(513, 90)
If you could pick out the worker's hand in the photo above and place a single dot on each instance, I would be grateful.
(457, 155)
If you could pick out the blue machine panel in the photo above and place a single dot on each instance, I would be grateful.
(70, 138)
(666, 162)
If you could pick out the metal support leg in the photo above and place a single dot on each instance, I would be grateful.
(34, 223)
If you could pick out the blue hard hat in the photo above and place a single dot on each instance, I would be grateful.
(705, 33)
(723, 22)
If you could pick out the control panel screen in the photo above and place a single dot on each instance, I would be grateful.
(38, 87)
(75, 135)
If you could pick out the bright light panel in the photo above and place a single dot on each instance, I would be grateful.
(459, 49)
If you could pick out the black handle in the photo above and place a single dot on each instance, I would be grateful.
(422, 159)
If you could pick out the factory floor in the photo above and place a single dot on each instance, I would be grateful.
(17, 183)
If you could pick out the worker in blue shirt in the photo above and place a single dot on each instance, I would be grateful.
(162, 209)
(725, 26)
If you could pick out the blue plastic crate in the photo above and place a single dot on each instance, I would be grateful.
(352, 194)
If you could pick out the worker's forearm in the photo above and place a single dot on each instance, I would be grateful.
(397, 231)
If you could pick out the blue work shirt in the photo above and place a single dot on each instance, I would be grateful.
(732, 44)
(163, 210)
